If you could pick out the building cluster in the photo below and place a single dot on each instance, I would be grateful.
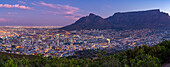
(60, 43)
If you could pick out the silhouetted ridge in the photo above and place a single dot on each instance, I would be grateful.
(89, 22)
(147, 11)
(152, 19)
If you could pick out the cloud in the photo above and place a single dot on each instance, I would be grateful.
(3, 20)
(72, 17)
(34, 4)
(15, 6)
(58, 9)
(66, 8)
(22, 2)
(12, 13)
(48, 5)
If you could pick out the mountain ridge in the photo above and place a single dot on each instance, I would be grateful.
(153, 19)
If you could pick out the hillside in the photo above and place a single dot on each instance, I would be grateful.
(152, 19)
(145, 56)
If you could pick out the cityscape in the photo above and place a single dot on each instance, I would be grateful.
(60, 43)
(84, 33)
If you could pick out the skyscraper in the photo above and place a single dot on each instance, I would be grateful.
(58, 39)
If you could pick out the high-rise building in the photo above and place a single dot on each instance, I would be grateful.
(58, 39)
(109, 42)
(71, 44)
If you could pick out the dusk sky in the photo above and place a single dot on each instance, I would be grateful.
(65, 12)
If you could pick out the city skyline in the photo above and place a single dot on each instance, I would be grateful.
(63, 12)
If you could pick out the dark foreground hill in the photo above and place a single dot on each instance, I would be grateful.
(143, 56)
(152, 19)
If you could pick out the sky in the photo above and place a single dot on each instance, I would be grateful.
(65, 12)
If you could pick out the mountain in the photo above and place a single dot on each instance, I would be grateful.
(89, 22)
(152, 19)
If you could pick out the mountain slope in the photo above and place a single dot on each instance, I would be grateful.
(89, 22)
(153, 19)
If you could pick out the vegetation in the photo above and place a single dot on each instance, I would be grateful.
(142, 56)
(1, 40)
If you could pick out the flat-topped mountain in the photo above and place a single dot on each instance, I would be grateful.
(152, 19)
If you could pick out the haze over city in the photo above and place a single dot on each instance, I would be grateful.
(65, 12)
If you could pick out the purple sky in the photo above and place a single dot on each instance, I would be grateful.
(65, 12)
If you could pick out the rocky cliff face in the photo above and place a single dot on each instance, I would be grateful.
(153, 19)
(141, 19)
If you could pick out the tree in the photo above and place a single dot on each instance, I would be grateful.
(10, 63)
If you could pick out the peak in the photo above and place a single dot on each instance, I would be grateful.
(91, 14)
